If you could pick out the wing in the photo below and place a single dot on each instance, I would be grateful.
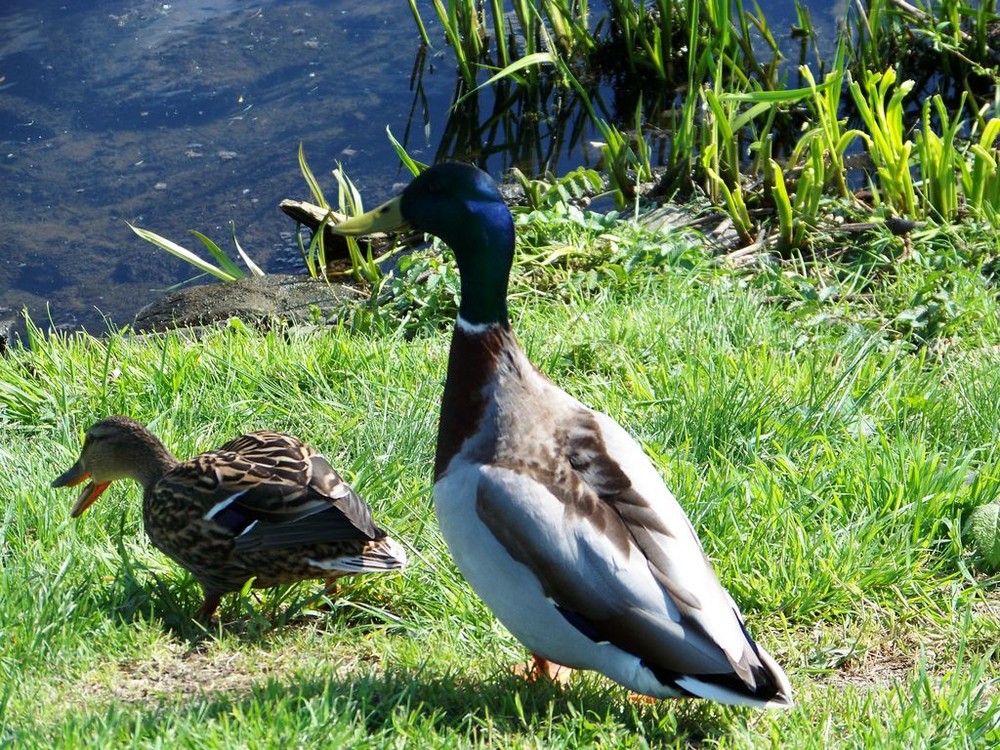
(617, 555)
(271, 490)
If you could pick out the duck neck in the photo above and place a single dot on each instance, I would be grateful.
(485, 254)
(481, 308)
(151, 461)
(475, 351)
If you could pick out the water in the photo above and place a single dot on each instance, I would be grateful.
(188, 115)
(179, 116)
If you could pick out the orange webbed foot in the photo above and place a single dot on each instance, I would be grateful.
(540, 668)
(639, 698)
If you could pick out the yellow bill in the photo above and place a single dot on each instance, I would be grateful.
(386, 218)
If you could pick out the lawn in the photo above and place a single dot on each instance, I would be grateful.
(827, 461)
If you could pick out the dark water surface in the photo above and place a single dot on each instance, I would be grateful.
(188, 115)
(182, 116)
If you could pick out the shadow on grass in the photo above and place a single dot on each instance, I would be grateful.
(419, 702)
(422, 704)
(425, 701)
(140, 594)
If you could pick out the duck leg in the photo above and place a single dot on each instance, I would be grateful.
(330, 591)
(332, 588)
(540, 668)
(208, 607)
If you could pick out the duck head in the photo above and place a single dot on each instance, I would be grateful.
(114, 448)
(462, 205)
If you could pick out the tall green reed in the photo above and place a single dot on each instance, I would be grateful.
(885, 134)
(723, 60)
(980, 174)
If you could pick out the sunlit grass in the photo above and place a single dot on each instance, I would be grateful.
(826, 462)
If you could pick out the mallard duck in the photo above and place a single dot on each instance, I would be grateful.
(264, 505)
(553, 513)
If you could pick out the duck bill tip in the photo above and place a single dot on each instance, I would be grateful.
(73, 476)
(87, 497)
(386, 218)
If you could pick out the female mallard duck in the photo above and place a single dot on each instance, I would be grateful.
(552, 512)
(264, 506)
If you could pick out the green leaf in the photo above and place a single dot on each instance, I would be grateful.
(221, 258)
(181, 252)
(537, 58)
(415, 167)
(254, 268)
(314, 188)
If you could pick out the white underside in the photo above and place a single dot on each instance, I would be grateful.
(532, 536)
(514, 595)
(602, 575)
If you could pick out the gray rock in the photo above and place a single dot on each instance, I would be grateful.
(255, 300)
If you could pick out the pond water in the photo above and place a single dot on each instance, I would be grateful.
(188, 115)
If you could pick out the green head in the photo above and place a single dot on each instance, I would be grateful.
(460, 204)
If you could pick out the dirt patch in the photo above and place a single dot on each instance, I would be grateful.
(176, 672)
(179, 672)
(877, 668)
(184, 674)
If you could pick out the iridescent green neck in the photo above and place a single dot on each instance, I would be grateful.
(485, 255)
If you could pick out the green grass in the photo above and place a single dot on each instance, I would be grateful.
(826, 458)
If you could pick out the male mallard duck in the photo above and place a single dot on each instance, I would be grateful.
(552, 512)
(264, 505)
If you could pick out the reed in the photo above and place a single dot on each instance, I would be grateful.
(226, 270)
(733, 121)
(885, 135)
(980, 174)
(938, 159)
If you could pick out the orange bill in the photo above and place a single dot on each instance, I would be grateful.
(77, 475)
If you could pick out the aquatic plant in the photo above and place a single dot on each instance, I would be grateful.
(701, 67)
(364, 267)
(885, 135)
(226, 270)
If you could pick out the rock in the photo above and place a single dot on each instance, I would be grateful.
(255, 300)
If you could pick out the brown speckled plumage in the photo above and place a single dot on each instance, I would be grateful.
(264, 505)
